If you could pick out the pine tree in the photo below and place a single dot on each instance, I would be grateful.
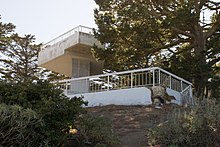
(20, 59)
(138, 31)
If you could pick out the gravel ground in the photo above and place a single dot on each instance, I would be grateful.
(131, 122)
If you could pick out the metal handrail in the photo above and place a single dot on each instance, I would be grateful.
(174, 76)
(65, 35)
(108, 74)
(187, 98)
(126, 72)
(184, 90)
(154, 71)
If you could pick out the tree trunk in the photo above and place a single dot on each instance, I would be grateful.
(201, 76)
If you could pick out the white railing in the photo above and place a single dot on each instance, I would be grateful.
(187, 97)
(67, 34)
(123, 80)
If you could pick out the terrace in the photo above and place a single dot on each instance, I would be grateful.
(133, 79)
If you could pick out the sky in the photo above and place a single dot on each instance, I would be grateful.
(47, 19)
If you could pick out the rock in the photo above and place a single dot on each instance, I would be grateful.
(159, 93)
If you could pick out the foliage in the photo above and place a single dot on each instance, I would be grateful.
(22, 86)
(213, 84)
(59, 114)
(185, 65)
(120, 28)
(197, 126)
(18, 57)
(19, 127)
(136, 33)
(18, 54)
(93, 131)
(57, 111)
(20, 62)
(6, 29)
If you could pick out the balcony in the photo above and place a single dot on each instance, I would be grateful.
(58, 54)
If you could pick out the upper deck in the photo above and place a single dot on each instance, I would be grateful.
(57, 54)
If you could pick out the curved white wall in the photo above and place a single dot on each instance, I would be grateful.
(176, 94)
(134, 96)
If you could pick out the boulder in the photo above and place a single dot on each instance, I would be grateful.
(160, 93)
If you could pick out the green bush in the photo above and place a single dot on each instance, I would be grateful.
(58, 116)
(93, 131)
(19, 127)
(196, 126)
(57, 111)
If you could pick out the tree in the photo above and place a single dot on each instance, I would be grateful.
(143, 29)
(6, 29)
(19, 56)
(120, 27)
(20, 62)
(213, 85)
(184, 64)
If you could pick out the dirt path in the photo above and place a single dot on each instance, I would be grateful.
(130, 122)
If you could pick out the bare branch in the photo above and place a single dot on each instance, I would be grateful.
(214, 6)
(215, 26)
(212, 62)
(202, 3)
(182, 32)
(214, 3)
(170, 44)
(197, 7)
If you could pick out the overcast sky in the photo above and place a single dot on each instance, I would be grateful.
(47, 19)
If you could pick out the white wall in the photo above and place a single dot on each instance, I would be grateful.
(134, 96)
(176, 94)
(89, 39)
(58, 49)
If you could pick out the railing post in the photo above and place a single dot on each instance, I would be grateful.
(190, 92)
(66, 88)
(131, 79)
(153, 77)
(87, 84)
(181, 85)
(108, 84)
(159, 77)
(170, 81)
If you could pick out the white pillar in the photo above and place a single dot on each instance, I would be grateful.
(131, 79)
(153, 77)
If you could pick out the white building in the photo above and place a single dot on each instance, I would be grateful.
(70, 54)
